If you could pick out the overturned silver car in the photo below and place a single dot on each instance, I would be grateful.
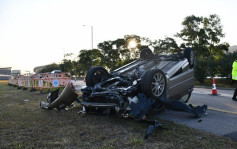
(143, 85)
(152, 83)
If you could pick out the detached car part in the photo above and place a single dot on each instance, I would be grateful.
(66, 98)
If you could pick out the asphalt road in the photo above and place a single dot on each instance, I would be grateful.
(220, 118)
(78, 84)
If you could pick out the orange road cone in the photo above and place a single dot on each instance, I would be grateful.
(214, 91)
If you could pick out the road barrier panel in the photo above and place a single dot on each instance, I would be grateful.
(40, 81)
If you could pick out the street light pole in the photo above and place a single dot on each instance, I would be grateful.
(91, 43)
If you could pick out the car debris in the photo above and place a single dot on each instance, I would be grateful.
(26, 100)
(66, 98)
(152, 128)
(197, 111)
(151, 83)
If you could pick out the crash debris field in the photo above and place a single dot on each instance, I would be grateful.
(24, 124)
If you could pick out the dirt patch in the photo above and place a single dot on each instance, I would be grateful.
(23, 124)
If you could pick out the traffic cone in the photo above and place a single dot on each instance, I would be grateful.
(214, 91)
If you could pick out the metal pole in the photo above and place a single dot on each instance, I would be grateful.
(92, 46)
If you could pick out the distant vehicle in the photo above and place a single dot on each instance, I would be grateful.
(15, 72)
(56, 71)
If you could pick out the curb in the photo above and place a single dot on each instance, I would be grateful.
(222, 88)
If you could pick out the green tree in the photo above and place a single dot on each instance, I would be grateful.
(203, 34)
(191, 27)
(214, 31)
(225, 64)
(85, 62)
(200, 70)
(133, 49)
(123, 51)
(66, 65)
(166, 46)
(111, 55)
(75, 68)
(50, 68)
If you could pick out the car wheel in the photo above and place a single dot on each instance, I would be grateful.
(154, 83)
(189, 54)
(146, 53)
(95, 75)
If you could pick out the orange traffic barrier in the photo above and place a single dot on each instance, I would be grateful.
(49, 80)
(13, 80)
(41, 81)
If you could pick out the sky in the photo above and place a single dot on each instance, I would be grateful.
(39, 32)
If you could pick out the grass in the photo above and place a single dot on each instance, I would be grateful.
(3, 82)
(23, 124)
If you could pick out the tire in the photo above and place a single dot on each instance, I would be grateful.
(95, 75)
(189, 54)
(153, 83)
(146, 53)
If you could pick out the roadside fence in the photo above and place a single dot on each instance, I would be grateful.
(40, 81)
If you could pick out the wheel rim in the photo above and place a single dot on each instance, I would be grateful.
(158, 84)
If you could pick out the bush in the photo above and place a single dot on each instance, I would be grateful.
(200, 70)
